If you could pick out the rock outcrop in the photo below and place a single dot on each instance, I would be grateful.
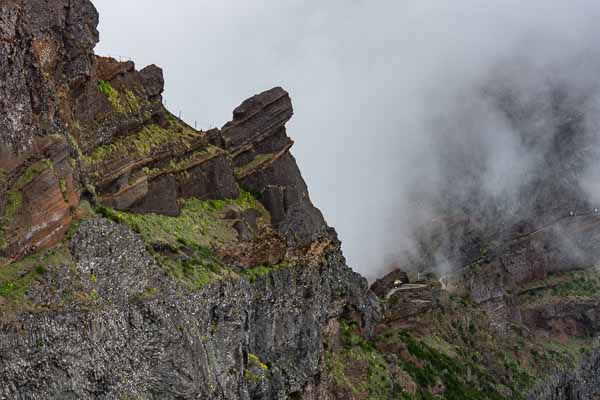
(142, 258)
(259, 145)
(78, 124)
(582, 382)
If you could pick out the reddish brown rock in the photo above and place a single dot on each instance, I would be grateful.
(46, 55)
(99, 129)
(39, 201)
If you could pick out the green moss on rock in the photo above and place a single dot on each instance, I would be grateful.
(142, 144)
(575, 285)
(190, 237)
(254, 361)
(111, 94)
(17, 277)
(251, 377)
(253, 274)
(364, 369)
(199, 221)
(133, 102)
(183, 164)
(377, 383)
(197, 269)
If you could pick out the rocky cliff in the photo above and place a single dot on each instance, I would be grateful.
(143, 259)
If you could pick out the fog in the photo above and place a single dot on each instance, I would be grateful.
(395, 112)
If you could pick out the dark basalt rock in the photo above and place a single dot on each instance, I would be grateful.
(46, 50)
(174, 344)
(582, 382)
(257, 140)
(286, 197)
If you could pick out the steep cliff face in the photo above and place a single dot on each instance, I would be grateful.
(77, 124)
(47, 58)
(143, 258)
(106, 321)
(581, 382)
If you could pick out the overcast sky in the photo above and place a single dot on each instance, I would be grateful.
(361, 74)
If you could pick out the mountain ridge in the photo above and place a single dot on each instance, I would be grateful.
(142, 258)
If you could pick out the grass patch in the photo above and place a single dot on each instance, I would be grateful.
(581, 286)
(254, 361)
(144, 143)
(16, 278)
(198, 223)
(251, 377)
(435, 368)
(576, 285)
(182, 165)
(111, 94)
(377, 383)
(189, 237)
(451, 377)
(195, 267)
(254, 274)
(133, 102)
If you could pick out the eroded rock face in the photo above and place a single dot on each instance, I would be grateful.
(101, 127)
(46, 56)
(257, 140)
(237, 309)
(582, 382)
(125, 314)
(46, 52)
(143, 335)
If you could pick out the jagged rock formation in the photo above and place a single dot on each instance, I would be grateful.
(264, 165)
(102, 131)
(216, 277)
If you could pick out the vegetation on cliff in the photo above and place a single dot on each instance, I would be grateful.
(453, 350)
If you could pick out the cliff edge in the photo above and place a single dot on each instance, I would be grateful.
(142, 258)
